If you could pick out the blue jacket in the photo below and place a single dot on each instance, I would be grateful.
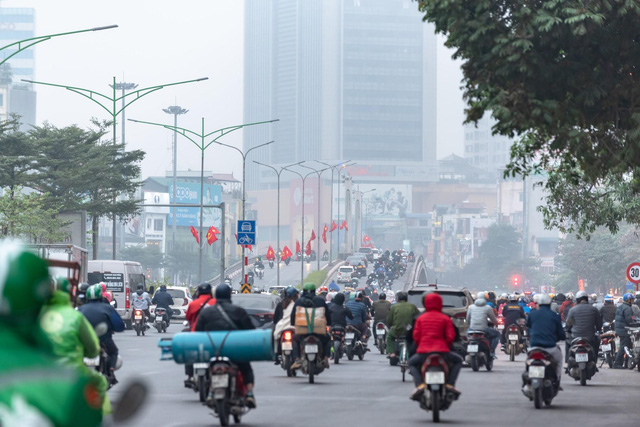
(162, 298)
(359, 311)
(623, 318)
(98, 312)
(545, 327)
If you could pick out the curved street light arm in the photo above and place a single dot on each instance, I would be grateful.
(181, 131)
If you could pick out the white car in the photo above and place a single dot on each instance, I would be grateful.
(344, 274)
(181, 299)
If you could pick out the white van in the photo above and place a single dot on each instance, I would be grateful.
(122, 278)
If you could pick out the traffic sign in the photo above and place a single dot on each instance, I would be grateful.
(633, 272)
(246, 226)
(247, 232)
(245, 288)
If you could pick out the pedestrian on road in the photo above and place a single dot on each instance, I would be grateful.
(624, 317)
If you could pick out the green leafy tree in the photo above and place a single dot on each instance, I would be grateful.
(561, 75)
(30, 216)
(500, 255)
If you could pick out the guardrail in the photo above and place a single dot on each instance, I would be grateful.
(418, 264)
(333, 267)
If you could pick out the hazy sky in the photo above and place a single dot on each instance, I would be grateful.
(161, 41)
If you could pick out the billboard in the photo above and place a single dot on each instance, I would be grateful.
(189, 193)
(386, 200)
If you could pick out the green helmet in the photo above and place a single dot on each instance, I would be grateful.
(62, 284)
(24, 281)
(94, 292)
(309, 287)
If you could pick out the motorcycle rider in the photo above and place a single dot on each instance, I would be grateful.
(224, 316)
(163, 299)
(310, 299)
(282, 315)
(635, 307)
(204, 299)
(584, 321)
(360, 315)
(35, 390)
(512, 313)
(433, 333)
(141, 301)
(380, 310)
(478, 317)
(400, 315)
(608, 310)
(624, 318)
(566, 306)
(339, 313)
(333, 286)
(545, 330)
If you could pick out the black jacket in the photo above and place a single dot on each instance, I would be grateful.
(608, 312)
(212, 320)
(584, 321)
(99, 312)
(512, 312)
(162, 298)
(624, 317)
(308, 299)
(339, 314)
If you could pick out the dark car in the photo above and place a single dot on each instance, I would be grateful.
(259, 306)
(455, 302)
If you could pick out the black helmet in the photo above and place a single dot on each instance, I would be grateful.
(140, 287)
(223, 292)
(164, 287)
(383, 296)
(402, 296)
(339, 298)
(204, 289)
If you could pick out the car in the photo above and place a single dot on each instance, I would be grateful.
(354, 260)
(455, 302)
(181, 299)
(344, 274)
(280, 289)
(259, 306)
(376, 253)
(368, 252)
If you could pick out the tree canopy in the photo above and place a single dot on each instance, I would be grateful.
(560, 75)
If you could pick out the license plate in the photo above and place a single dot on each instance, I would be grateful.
(287, 345)
(472, 348)
(200, 365)
(513, 338)
(582, 357)
(435, 377)
(606, 347)
(138, 317)
(219, 381)
(350, 335)
(310, 348)
(536, 371)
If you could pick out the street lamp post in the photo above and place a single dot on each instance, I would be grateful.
(319, 172)
(109, 104)
(367, 205)
(244, 164)
(202, 146)
(278, 172)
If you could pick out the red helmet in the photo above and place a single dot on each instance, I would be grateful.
(108, 295)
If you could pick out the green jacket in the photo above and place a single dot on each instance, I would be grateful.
(71, 335)
(401, 315)
(33, 386)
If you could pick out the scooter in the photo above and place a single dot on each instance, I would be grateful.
(270, 263)
(227, 392)
(437, 397)
(581, 365)
(312, 356)
(479, 351)
(381, 336)
(607, 345)
(353, 343)
(516, 343)
(99, 363)
(540, 382)
(337, 338)
(259, 272)
(161, 320)
(139, 322)
(286, 349)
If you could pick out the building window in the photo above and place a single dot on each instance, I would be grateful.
(158, 224)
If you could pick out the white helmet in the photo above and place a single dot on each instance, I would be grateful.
(582, 294)
(542, 299)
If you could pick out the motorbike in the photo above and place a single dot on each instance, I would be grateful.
(202, 376)
(286, 349)
(325, 256)
(312, 356)
(516, 342)
(353, 343)
(381, 336)
(437, 397)
(403, 356)
(227, 392)
(99, 364)
(633, 352)
(607, 345)
(161, 320)
(287, 261)
(539, 378)
(139, 321)
(337, 342)
(479, 351)
(581, 366)
(259, 272)
(270, 263)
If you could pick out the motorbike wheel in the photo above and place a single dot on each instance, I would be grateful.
(137, 330)
(361, 355)
(312, 367)
(537, 398)
(609, 360)
(583, 377)
(336, 352)
(237, 418)
(489, 364)
(512, 353)
(202, 388)
(403, 370)
(381, 346)
(474, 363)
(435, 406)
(349, 353)
(286, 362)
(223, 412)
(142, 329)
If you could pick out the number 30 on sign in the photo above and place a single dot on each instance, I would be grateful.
(633, 272)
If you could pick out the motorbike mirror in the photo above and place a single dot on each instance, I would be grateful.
(113, 303)
(185, 323)
(130, 402)
(101, 329)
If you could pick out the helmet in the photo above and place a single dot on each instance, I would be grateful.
(163, 287)
(223, 292)
(290, 292)
(542, 299)
(608, 298)
(108, 295)
(24, 281)
(627, 297)
(504, 295)
(323, 289)
(637, 294)
(103, 286)
(204, 289)
(402, 296)
(140, 287)
(94, 292)
(552, 295)
(593, 297)
(569, 296)
(360, 295)
(582, 295)
(382, 296)
(309, 287)
(62, 284)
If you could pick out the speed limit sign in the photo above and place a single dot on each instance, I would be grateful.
(633, 272)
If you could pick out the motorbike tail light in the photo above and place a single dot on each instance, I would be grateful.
(311, 340)
(127, 298)
(460, 315)
(138, 312)
(537, 356)
(513, 329)
(287, 335)
(380, 326)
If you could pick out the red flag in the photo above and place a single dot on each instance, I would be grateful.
(271, 255)
(344, 225)
(211, 235)
(308, 248)
(286, 253)
(195, 234)
(333, 226)
(313, 236)
(297, 247)
(324, 233)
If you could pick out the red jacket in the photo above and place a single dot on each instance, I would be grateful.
(193, 311)
(564, 309)
(433, 331)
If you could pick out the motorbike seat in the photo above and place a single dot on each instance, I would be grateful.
(578, 340)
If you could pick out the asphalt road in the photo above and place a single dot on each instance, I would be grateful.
(289, 274)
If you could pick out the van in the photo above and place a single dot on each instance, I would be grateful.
(122, 278)
(368, 252)
(376, 253)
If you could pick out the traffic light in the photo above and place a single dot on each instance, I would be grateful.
(515, 280)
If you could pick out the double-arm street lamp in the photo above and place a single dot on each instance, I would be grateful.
(319, 172)
(244, 155)
(362, 193)
(278, 172)
(110, 104)
(202, 146)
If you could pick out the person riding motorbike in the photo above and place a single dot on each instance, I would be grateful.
(35, 389)
(310, 299)
(339, 313)
(545, 330)
(380, 310)
(478, 317)
(225, 316)
(566, 306)
(584, 321)
(400, 315)
(608, 310)
(204, 299)
(163, 299)
(322, 292)
(141, 301)
(624, 318)
(282, 315)
(433, 332)
(512, 313)
(360, 315)
(334, 287)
